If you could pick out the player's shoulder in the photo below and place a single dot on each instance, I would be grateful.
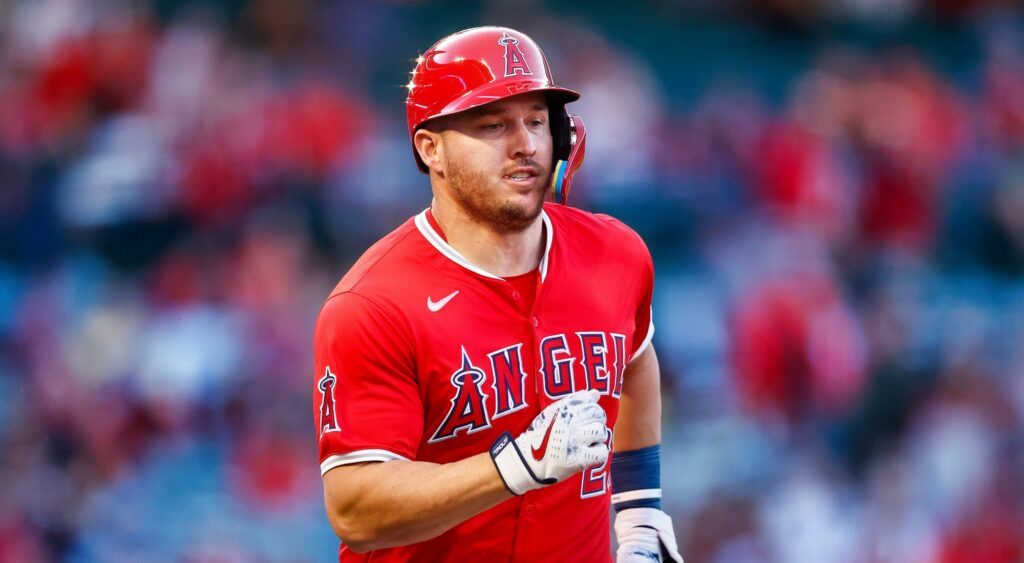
(593, 228)
(381, 263)
(379, 273)
(575, 218)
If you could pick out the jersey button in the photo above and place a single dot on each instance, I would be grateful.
(536, 323)
(515, 295)
(529, 509)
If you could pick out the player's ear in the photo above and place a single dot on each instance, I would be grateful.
(430, 146)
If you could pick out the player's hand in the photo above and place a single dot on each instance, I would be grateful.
(645, 535)
(565, 438)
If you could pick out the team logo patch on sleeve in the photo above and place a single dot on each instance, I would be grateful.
(328, 416)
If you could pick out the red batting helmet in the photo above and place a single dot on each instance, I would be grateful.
(485, 64)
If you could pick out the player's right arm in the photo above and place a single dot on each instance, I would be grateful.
(377, 505)
(369, 415)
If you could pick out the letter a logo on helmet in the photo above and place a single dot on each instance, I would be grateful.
(515, 62)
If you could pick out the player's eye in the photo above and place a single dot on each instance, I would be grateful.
(491, 126)
(538, 122)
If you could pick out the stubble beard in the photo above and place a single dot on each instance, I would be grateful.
(469, 189)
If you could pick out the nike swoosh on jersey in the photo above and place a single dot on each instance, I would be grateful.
(538, 453)
(436, 306)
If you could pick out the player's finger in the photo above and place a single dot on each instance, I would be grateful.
(595, 412)
(581, 398)
(592, 433)
(584, 430)
(594, 455)
(589, 413)
(541, 420)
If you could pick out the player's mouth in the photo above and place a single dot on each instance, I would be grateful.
(522, 176)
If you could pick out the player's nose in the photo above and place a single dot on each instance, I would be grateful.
(521, 141)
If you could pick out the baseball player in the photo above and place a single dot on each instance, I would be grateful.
(477, 367)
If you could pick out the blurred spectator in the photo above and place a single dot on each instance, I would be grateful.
(799, 352)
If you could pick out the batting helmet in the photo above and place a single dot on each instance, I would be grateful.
(484, 64)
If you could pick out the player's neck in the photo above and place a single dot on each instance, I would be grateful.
(503, 254)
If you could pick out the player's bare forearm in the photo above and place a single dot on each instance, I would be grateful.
(639, 422)
(380, 505)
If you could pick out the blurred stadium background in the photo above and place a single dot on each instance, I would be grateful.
(833, 192)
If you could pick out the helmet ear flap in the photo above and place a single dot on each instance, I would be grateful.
(561, 132)
(569, 161)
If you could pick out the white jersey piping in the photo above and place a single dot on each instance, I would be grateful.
(358, 456)
(647, 339)
(450, 253)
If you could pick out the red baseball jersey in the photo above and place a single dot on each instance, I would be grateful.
(420, 355)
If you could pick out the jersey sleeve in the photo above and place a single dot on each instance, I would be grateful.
(366, 400)
(644, 321)
(638, 257)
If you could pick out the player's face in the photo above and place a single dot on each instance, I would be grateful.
(497, 160)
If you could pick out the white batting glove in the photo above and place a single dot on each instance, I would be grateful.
(565, 438)
(645, 535)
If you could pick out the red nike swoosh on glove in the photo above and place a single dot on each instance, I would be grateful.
(538, 453)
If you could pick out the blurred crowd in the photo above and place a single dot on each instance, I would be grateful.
(839, 250)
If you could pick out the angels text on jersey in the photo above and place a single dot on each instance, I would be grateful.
(601, 357)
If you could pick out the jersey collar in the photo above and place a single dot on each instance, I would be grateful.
(438, 242)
